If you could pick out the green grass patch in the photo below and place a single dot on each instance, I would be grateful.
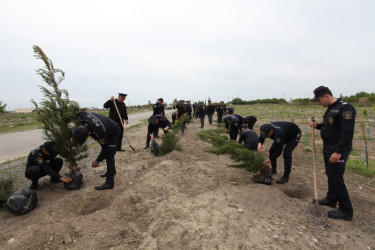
(359, 166)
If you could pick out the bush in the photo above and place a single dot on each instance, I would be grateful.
(6, 189)
(359, 166)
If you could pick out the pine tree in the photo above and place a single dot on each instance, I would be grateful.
(56, 112)
(250, 160)
(170, 140)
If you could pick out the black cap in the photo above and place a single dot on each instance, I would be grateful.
(81, 133)
(50, 147)
(152, 119)
(122, 94)
(244, 126)
(161, 99)
(320, 91)
(181, 102)
(265, 129)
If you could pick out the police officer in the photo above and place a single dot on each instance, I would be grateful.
(42, 161)
(114, 116)
(210, 110)
(106, 132)
(248, 137)
(234, 121)
(181, 110)
(195, 105)
(188, 110)
(154, 123)
(337, 130)
(201, 112)
(158, 109)
(250, 121)
(286, 136)
(220, 109)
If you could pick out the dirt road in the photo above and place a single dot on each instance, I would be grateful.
(19, 144)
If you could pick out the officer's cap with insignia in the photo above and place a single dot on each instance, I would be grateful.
(321, 91)
(122, 94)
(152, 119)
(50, 147)
(81, 133)
(161, 99)
(265, 129)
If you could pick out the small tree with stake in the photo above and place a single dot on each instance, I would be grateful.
(56, 112)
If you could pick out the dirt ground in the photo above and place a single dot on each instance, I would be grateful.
(188, 199)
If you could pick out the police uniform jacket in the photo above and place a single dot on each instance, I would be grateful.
(337, 128)
(210, 109)
(283, 132)
(249, 137)
(201, 111)
(188, 109)
(102, 129)
(181, 110)
(220, 109)
(37, 158)
(163, 123)
(158, 109)
(113, 113)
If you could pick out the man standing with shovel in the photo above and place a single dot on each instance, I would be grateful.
(337, 130)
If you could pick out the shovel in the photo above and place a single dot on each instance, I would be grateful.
(317, 213)
(126, 134)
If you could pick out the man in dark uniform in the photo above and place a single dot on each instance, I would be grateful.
(286, 136)
(195, 104)
(181, 110)
(248, 137)
(201, 112)
(250, 121)
(158, 109)
(106, 132)
(221, 108)
(235, 122)
(188, 110)
(41, 162)
(114, 116)
(154, 123)
(210, 110)
(337, 130)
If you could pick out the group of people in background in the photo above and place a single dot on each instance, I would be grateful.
(337, 129)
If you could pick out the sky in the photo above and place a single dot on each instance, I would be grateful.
(190, 50)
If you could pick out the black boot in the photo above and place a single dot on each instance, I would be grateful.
(33, 186)
(341, 215)
(104, 186)
(146, 146)
(327, 202)
(282, 180)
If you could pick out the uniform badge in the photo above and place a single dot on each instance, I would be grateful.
(347, 115)
(278, 139)
(39, 160)
(331, 120)
(101, 141)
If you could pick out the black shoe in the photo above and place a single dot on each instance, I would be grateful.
(120, 150)
(33, 187)
(146, 146)
(282, 180)
(156, 136)
(326, 202)
(338, 214)
(104, 186)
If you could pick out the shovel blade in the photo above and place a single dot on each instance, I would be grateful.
(318, 215)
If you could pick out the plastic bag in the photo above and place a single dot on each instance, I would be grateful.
(77, 181)
(22, 202)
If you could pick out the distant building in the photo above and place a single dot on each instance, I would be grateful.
(23, 110)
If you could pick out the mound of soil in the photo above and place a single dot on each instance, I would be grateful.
(187, 199)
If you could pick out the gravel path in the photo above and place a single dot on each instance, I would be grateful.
(20, 144)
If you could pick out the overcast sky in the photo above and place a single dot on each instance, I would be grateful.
(252, 49)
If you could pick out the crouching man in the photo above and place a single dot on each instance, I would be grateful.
(42, 161)
(154, 123)
(106, 132)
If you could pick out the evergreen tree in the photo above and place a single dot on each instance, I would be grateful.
(56, 112)
(250, 160)
(2, 107)
(170, 140)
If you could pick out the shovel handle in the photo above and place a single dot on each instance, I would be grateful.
(314, 162)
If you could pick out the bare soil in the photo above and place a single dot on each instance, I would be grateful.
(188, 199)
